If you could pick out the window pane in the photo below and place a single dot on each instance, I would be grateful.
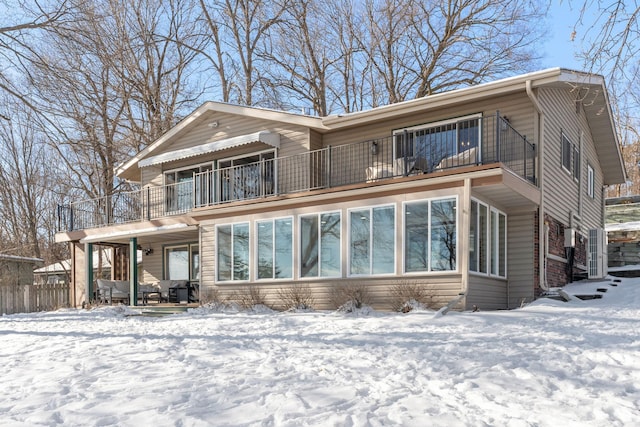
(359, 242)
(502, 236)
(283, 248)
(195, 263)
(330, 244)
(483, 226)
(416, 237)
(309, 246)
(566, 153)
(178, 263)
(383, 240)
(443, 235)
(265, 250)
(224, 263)
(241, 252)
(473, 237)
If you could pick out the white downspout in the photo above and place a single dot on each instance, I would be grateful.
(542, 276)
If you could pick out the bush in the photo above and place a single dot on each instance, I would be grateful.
(210, 296)
(408, 296)
(351, 297)
(296, 297)
(249, 297)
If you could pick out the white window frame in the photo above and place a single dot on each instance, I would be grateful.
(487, 239)
(257, 248)
(565, 158)
(492, 261)
(199, 166)
(190, 246)
(299, 245)
(590, 181)
(494, 250)
(429, 270)
(348, 239)
(217, 274)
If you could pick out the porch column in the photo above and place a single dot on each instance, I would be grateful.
(133, 271)
(88, 270)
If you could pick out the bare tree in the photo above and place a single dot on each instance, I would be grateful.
(109, 84)
(419, 48)
(238, 29)
(301, 52)
(26, 186)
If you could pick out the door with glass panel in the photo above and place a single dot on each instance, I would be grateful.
(246, 177)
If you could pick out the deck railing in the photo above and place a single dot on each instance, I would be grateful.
(488, 140)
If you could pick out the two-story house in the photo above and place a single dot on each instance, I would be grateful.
(494, 191)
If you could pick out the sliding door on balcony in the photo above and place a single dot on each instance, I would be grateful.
(427, 147)
(246, 177)
(181, 193)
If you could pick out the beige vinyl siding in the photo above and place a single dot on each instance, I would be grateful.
(521, 262)
(562, 191)
(207, 255)
(293, 139)
(486, 293)
(590, 210)
(152, 264)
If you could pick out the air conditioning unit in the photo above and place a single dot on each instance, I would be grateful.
(597, 253)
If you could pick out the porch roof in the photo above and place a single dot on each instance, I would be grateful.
(268, 138)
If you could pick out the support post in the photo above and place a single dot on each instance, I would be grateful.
(133, 271)
(88, 270)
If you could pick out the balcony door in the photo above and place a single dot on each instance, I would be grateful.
(179, 185)
(182, 262)
(433, 142)
(246, 177)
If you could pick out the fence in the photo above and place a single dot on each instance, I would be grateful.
(20, 298)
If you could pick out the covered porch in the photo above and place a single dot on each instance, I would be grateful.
(165, 271)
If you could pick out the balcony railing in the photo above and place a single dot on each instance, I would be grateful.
(488, 140)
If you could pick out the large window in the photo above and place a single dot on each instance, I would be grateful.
(182, 262)
(436, 141)
(320, 245)
(430, 235)
(487, 240)
(372, 241)
(275, 248)
(232, 252)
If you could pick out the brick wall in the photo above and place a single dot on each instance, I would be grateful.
(557, 270)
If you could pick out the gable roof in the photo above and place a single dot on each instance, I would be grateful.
(597, 110)
(127, 169)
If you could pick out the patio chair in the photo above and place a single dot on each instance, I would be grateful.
(110, 290)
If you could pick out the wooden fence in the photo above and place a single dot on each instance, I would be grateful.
(20, 298)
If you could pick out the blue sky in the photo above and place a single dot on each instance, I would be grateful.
(560, 50)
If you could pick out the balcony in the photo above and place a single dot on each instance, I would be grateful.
(478, 141)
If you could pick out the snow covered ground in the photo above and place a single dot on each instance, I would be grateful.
(548, 364)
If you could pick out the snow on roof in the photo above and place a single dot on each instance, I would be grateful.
(20, 258)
